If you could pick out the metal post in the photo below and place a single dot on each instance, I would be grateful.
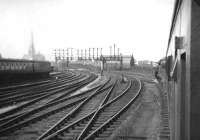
(85, 54)
(77, 54)
(63, 55)
(59, 55)
(89, 53)
(55, 54)
(93, 53)
(97, 53)
(121, 62)
(81, 54)
(67, 55)
(118, 54)
(110, 51)
(71, 53)
(114, 50)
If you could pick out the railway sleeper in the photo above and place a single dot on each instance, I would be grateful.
(99, 138)
(102, 135)
(67, 135)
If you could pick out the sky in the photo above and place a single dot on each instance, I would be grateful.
(137, 27)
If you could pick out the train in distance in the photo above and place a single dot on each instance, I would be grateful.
(19, 66)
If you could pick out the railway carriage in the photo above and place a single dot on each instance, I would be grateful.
(41, 66)
(16, 69)
(24, 66)
(183, 70)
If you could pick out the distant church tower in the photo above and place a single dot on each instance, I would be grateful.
(31, 51)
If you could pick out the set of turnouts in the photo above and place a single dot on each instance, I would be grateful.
(91, 114)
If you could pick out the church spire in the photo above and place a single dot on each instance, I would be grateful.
(31, 51)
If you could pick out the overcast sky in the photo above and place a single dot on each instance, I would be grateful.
(137, 27)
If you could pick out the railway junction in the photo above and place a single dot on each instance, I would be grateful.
(92, 96)
(80, 103)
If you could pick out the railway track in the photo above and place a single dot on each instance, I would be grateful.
(31, 84)
(101, 120)
(45, 99)
(20, 91)
(94, 114)
(9, 116)
(42, 91)
(90, 104)
(106, 129)
(53, 111)
(21, 116)
(60, 81)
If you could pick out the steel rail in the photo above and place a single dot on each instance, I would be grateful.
(36, 89)
(86, 119)
(64, 78)
(117, 115)
(72, 113)
(43, 97)
(31, 96)
(50, 104)
(30, 84)
(9, 126)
